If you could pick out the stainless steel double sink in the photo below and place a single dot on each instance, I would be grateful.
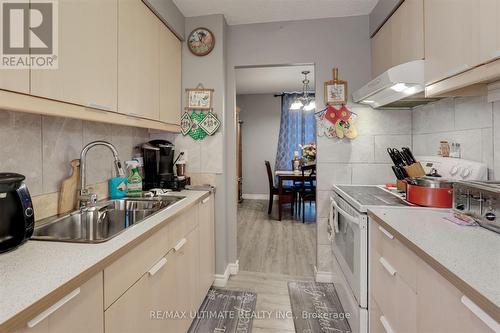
(102, 222)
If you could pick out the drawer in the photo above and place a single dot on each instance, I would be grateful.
(396, 300)
(375, 325)
(181, 226)
(443, 308)
(401, 258)
(129, 268)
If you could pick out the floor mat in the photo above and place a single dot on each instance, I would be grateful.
(225, 311)
(316, 308)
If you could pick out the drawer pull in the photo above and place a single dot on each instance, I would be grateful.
(483, 316)
(385, 232)
(159, 265)
(205, 200)
(386, 325)
(180, 244)
(35, 321)
(388, 267)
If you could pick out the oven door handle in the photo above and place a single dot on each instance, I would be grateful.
(333, 220)
(342, 212)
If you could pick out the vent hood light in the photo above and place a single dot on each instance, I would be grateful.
(399, 86)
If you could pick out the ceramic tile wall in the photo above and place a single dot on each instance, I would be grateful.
(360, 161)
(41, 148)
(467, 120)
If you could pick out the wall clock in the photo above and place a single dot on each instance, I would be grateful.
(201, 42)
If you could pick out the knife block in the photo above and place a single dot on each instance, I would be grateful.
(415, 170)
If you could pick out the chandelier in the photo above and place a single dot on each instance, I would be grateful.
(304, 101)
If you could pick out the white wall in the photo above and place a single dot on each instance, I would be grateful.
(468, 121)
(261, 115)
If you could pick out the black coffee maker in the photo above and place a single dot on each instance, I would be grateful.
(158, 158)
(17, 218)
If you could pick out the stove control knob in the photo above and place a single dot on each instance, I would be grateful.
(490, 216)
(466, 173)
(454, 170)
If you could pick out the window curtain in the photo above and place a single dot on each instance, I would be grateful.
(297, 127)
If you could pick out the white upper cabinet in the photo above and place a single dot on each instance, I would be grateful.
(17, 80)
(400, 39)
(170, 76)
(87, 56)
(452, 43)
(138, 60)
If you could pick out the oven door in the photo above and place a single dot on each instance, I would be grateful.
(350, 246)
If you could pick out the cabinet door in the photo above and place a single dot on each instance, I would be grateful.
(451, 43)
(138, 60)
(207, 246)
(440, 307)
(81, 311)
(407, 31)
(170, 76)
(88, 47)
(489, 29)
(145, 307)
(186, 267)
(17, 80)
(381, 50)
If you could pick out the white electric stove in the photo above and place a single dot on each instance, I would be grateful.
(349, 224)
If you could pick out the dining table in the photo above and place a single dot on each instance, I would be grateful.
(288, 175)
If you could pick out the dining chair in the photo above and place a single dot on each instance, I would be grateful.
(273, 190)
(308, 189)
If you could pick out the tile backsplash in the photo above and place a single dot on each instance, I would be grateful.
(41, 148)
(465, 120)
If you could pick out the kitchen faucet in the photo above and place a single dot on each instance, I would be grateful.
(87, 198)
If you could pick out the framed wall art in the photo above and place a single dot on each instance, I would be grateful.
(335, 90)
(199, 99)
(201, 42)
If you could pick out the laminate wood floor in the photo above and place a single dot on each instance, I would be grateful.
(267, 245)
(273, 307)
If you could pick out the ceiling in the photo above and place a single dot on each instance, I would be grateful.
(259, 11)
(272, 80)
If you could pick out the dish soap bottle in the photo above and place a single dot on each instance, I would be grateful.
(134, 179)
(117, 186)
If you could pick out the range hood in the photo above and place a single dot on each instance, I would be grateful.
(401, 86)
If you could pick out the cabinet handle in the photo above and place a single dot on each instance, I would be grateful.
(385, 232)
(205, 200)
(133, 114)
(483, 316)
(180, 244)
(99, 106)
(35, 321)
(159, 265)
(388, 267)
(386, 325)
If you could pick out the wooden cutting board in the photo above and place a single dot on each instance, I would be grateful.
(68, 199)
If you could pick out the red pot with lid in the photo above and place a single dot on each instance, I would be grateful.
(430, 192)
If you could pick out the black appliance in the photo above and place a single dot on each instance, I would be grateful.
(158, 158)
(17, 218)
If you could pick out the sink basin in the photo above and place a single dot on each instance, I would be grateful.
(102, 222)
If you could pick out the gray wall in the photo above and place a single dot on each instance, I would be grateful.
(470, 121)
(206, 157)
(260, 114)
(170, 15)
(335, 42)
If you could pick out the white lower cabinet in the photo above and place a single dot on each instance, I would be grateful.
(408, 295)
(169, 292)
(80, 311)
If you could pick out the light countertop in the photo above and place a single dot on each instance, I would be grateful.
(37, 268)
(472, 254)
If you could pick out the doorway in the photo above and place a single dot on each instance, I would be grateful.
(273, 127)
